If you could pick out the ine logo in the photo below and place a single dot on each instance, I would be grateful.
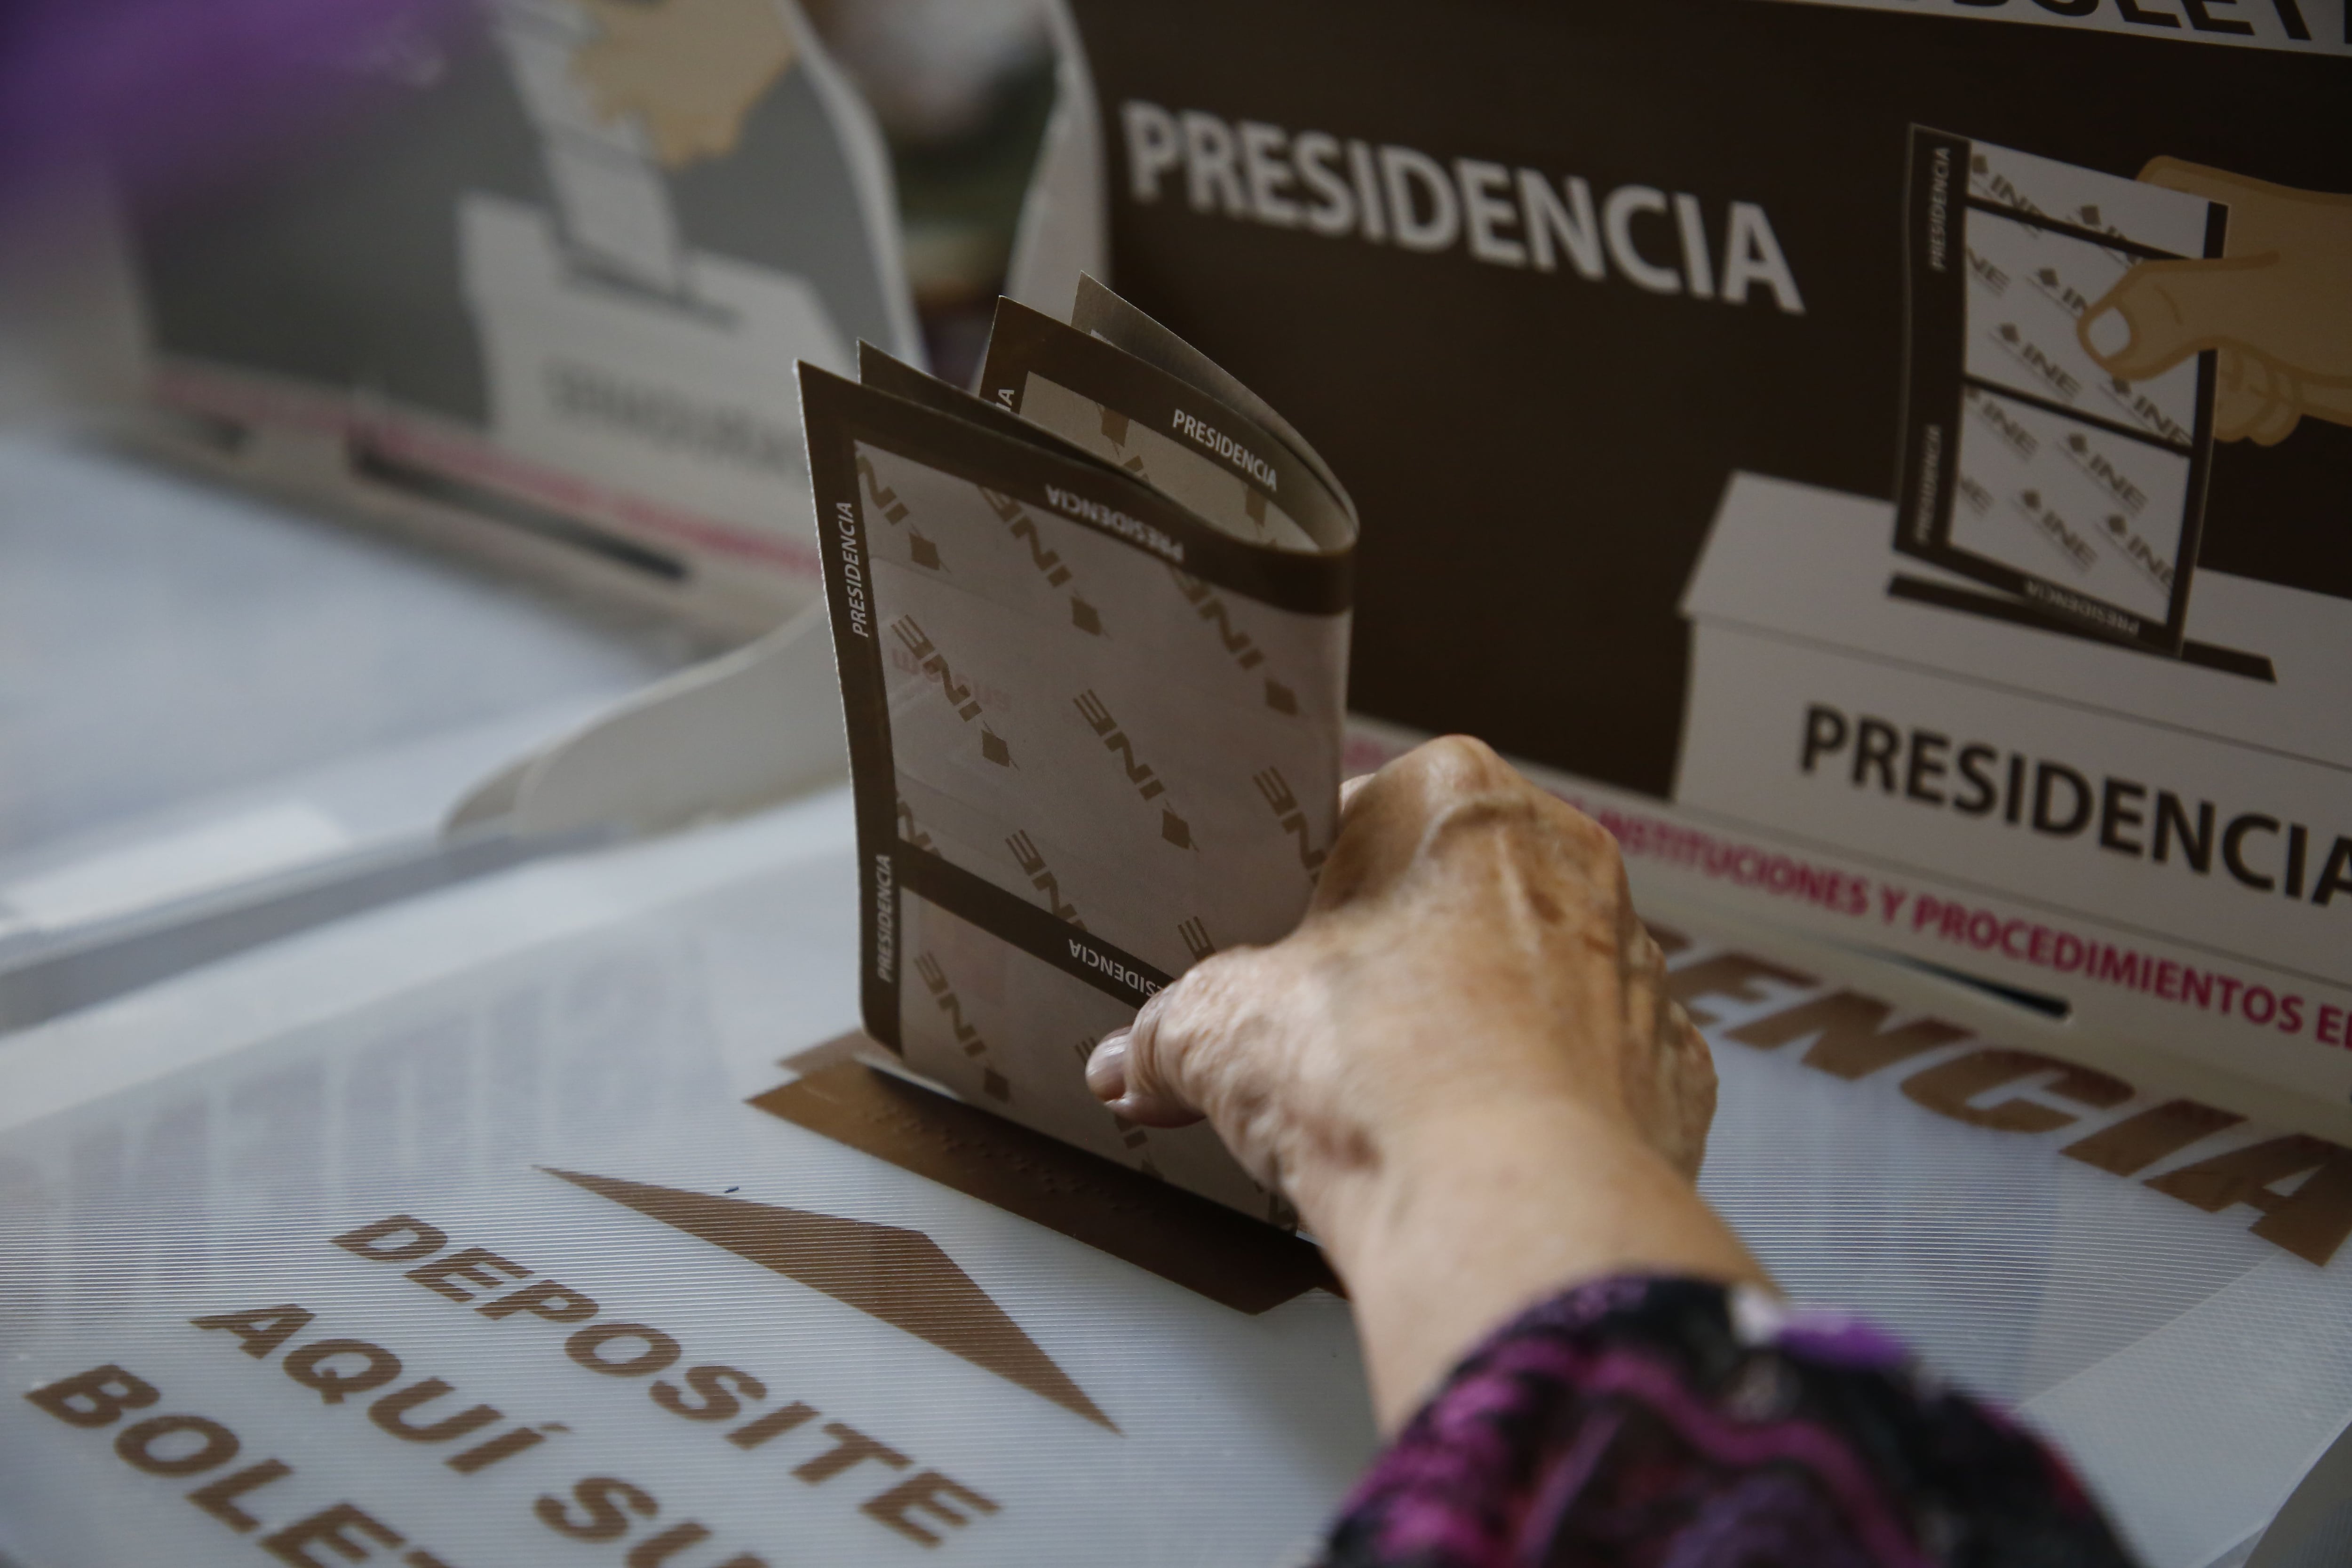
(2098, 465)
(933, 662)
(1246, 655)
(2063, 537)
(2060, 292)
(959, 694)
(1115, 427)
(1278, 795)
(2053, 376)
(2138, 551)
(967, 1034)
(2143, 409)
(1173, 828)
(886, 500)
(1998, 187)
(1196, 939)
(1032, 861)
(2018, 438)
(2089, 216)
(1099, 719)
(1989, 274)
(1205, 600)
(1048, 563)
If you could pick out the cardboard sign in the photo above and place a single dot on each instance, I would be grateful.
(540, 293)
(1895, 474)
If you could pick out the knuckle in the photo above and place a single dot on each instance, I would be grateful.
(1584, 836)
(1453, 762)
(1209, 981)
(1649, 960)
(1466, 751)
(1596, 840)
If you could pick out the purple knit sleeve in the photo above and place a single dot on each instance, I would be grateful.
(1646, 1421)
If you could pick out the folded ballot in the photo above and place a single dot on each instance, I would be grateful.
(1092, 634)
(2027, 464)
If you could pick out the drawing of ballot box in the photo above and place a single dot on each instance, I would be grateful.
(2181, 817)
(687, 399)
(615, 350)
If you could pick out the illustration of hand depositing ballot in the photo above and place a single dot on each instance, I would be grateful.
(2277, 305)
(690, 69)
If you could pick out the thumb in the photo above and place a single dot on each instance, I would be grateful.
(1133, 1070)
(2163, 311)
(2202, 180)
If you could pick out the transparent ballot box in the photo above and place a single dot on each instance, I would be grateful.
(550, 1202)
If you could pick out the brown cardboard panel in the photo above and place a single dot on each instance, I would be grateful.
(1189, 1241)
(900, 1276)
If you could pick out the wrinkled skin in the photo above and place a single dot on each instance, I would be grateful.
(1461, 1066)
(1472, 937)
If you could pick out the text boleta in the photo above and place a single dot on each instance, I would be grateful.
(182, 1446)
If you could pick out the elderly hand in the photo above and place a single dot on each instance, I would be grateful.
(1461, 1066)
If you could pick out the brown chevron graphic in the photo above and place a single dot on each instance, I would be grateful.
(1187, 1240)
(884, 1270)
